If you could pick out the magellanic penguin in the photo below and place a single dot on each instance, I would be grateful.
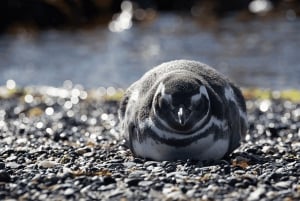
(183, 110)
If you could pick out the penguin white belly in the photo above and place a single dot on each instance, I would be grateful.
(203, 149)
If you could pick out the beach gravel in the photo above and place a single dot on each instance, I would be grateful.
(63, 144)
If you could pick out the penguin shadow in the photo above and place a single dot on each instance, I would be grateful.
(225, 166)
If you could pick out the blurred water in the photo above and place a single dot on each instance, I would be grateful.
(253, 54)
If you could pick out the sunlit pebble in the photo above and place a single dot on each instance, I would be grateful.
(28, 98)
(260, 128)
(104, 117)
(49, 131)
(70, 113)
(284, 119)
(290, 136)
(265, 105)
(56, 92)
(21, 141)
(39, 125)
(92, 121)
(49, 111)
(74, 129)
(10, 84)
(2, 124)
(83, 118)
(296, 112)
(114, 132)
(83, 95)
(287, 115)
(68, 105)
(17, 110)
(74, 100)
(59, 125)
(93, 136)
(248, 137)
(75, 92)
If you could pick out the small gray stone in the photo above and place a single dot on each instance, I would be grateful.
(283, 184)
(12, 165)
(256, 195)
(69, 191)
(47, 164)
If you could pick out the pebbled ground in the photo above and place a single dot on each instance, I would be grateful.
(62, 144)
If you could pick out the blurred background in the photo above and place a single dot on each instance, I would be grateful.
(112, 42)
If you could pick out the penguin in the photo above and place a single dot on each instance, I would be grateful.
(182, 110)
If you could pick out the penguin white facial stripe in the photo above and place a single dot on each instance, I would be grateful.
(202, 91)
(229, 94)
(164, 95)
(197, 97)
(160, 89)
(171, 135)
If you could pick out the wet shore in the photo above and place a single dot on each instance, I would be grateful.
(62, 144)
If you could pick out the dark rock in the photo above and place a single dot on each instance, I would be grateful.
(2, 165)
(132, 181)
(4, 176)
(108, 180)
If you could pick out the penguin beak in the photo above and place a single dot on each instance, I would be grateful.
(182, 115)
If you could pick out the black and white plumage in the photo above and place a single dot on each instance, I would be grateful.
(183, 110)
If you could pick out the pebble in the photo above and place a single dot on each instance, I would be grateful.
(256, 195)
(12, 165)
(69, 191)
(75, 154)
(4, 176)
(283, 184)
(47, 164)
(2, 165)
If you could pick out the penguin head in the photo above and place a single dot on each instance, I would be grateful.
(180, 103)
